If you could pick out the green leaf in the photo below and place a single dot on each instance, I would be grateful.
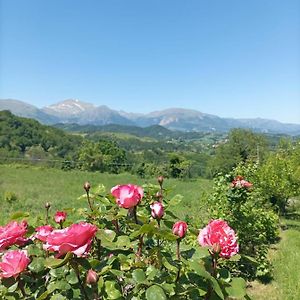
(37, 265)
(225, 275)
(111, 290)
(43, 296)
(138, 275)
(169, 266)
(155, 292)
(200, 270)
(237, 289)
(13, 287)
(106, 234)
(58, 297)
(72, 277)
(54, 263)
(151, 272)
(34, 250)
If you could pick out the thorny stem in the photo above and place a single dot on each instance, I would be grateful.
(178, 257)
(213, 273)
(21, 287)
(134, 215)
(140, 246)
(47, 215)
(116, 224)
(89, 200)
(83, 291)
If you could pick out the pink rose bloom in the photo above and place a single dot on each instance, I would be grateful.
(13, 263)
(60, 217)
(76, 238)
(128, 195)
(12, 233)
(157, 210)
(43, 232)
(218, 232)
(240, 182)
(180, 229)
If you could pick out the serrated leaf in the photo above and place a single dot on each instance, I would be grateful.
(138, 275)
(237, 288)
(72, 277)
(37, 265)
(155, 292)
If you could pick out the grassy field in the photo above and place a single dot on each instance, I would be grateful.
(34, 186)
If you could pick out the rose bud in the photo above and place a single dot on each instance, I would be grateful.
(47, 205)
(160, 180)
(157, 210)
(180, 229)
(87, 186)
(60, 217)
(91, 277)
(216, 248)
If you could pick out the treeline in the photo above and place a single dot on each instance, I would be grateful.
(143, 151)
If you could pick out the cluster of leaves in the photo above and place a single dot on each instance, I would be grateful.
(132, 257)
(256, 224)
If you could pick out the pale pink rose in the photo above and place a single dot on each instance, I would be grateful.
(128, 195)
(76, 238)
(60, 217)
(180, 229)
(13, 263)
(240, 182)
(12, 233)
(218, 232)
(43, 232)
(91, 277)
(157, 210)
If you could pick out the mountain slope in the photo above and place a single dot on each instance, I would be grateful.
(74, 111)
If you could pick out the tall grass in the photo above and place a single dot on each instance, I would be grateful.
(34, 186)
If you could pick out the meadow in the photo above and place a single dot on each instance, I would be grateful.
(34, 186)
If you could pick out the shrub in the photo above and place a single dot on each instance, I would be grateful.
(10, 197)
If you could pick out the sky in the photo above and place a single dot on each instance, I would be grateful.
(237, 59)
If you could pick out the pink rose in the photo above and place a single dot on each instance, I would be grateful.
(77, 239)
(157, 210)
(180, 229)
(217, 232)
(240, 182)
(43, 232)
(128, 195)
(13, 263)
(60, 217)
(12, 233)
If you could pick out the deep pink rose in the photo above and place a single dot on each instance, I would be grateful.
(43, 232)
(217, 232)
(60, 217)
(128, 195)
(12, 233)
(240, 182)
(180, 229)
(13, 263)
(157, 210)
(77, 239)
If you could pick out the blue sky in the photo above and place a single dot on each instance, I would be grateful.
(229, 58)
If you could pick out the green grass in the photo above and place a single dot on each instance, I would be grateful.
(285, 258)
(34, 186)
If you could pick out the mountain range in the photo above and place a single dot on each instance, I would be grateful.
(83, 113)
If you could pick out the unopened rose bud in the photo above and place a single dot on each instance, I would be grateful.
(180, 229)
(87, 186)
(60, 217)
(157, 210)
(91, 277)
(160, 180)
(216, 248)
(47, 205)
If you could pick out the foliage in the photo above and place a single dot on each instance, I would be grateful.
(132, 256)
(279, 178)
(255, 223)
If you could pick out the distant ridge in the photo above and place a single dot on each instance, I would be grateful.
(75, 111)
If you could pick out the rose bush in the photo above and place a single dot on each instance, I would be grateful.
(123, 251)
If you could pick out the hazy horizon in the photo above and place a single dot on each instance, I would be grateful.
(231, 59)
